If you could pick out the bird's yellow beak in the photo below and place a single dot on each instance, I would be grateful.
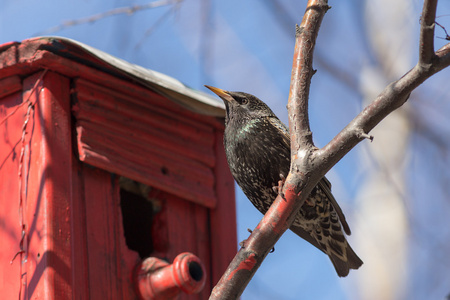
(221, 93)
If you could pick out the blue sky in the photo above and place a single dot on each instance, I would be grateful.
(248, 46)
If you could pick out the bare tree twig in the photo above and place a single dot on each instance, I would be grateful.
(426, 43)
(155, 25)
(343, 76)
(447, 37)
(115, 11)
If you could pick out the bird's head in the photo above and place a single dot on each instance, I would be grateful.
(242, 107)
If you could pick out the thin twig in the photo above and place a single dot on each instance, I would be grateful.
(129, 10)
(155, 25)
(447, 37)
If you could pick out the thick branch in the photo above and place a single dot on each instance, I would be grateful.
(254, 250)
(302, 72)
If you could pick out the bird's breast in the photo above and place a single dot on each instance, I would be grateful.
(256, 154)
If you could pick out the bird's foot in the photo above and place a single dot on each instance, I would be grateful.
(279, 189)
(310, 202)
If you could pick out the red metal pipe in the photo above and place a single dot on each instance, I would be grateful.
(156, 279)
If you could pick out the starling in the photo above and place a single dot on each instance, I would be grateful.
(257, 146)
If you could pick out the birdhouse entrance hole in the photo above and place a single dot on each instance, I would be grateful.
(137, 216)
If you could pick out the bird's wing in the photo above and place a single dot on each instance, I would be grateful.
(283, 130)
(325, 185)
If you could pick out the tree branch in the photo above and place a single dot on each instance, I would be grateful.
(309, 164)
(426, 43)
(391, 98)
(302, 72)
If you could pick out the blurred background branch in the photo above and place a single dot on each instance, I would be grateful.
(127, 10)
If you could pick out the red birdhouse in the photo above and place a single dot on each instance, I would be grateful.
(111, 176)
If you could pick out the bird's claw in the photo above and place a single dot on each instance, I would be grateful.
(279, 189)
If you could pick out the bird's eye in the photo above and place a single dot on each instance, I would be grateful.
(244, 101)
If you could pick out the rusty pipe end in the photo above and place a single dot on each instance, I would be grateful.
(156, 279)
(189, 273)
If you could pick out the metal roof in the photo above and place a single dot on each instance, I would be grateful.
(170, 87)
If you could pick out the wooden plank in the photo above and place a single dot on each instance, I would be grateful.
(79, 231)
(145, 154)
(128, 259)
(203, 250)
(152, 177)
(10, 228)
(10, 85)
(223, 216)
(163, 113)
(146, 134)
(145, 142)
(101, 225)
(182, 226)
(183, 233)
(47, 186)
(110, 261)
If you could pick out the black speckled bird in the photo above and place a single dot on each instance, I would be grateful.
(257, 146)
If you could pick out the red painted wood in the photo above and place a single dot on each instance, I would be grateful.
(119, 164)
(126, 136)
(151, 109)
(109, 275)
(186, 229)
(47, 188)
(203, 246)
(223, 216)
(104, 264)
(30, 56)
(75, 244)
(10, 85)
(10, 230)
(79, 231)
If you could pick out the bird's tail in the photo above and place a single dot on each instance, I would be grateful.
(343, 265)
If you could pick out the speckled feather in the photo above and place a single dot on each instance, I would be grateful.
(257, 146)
